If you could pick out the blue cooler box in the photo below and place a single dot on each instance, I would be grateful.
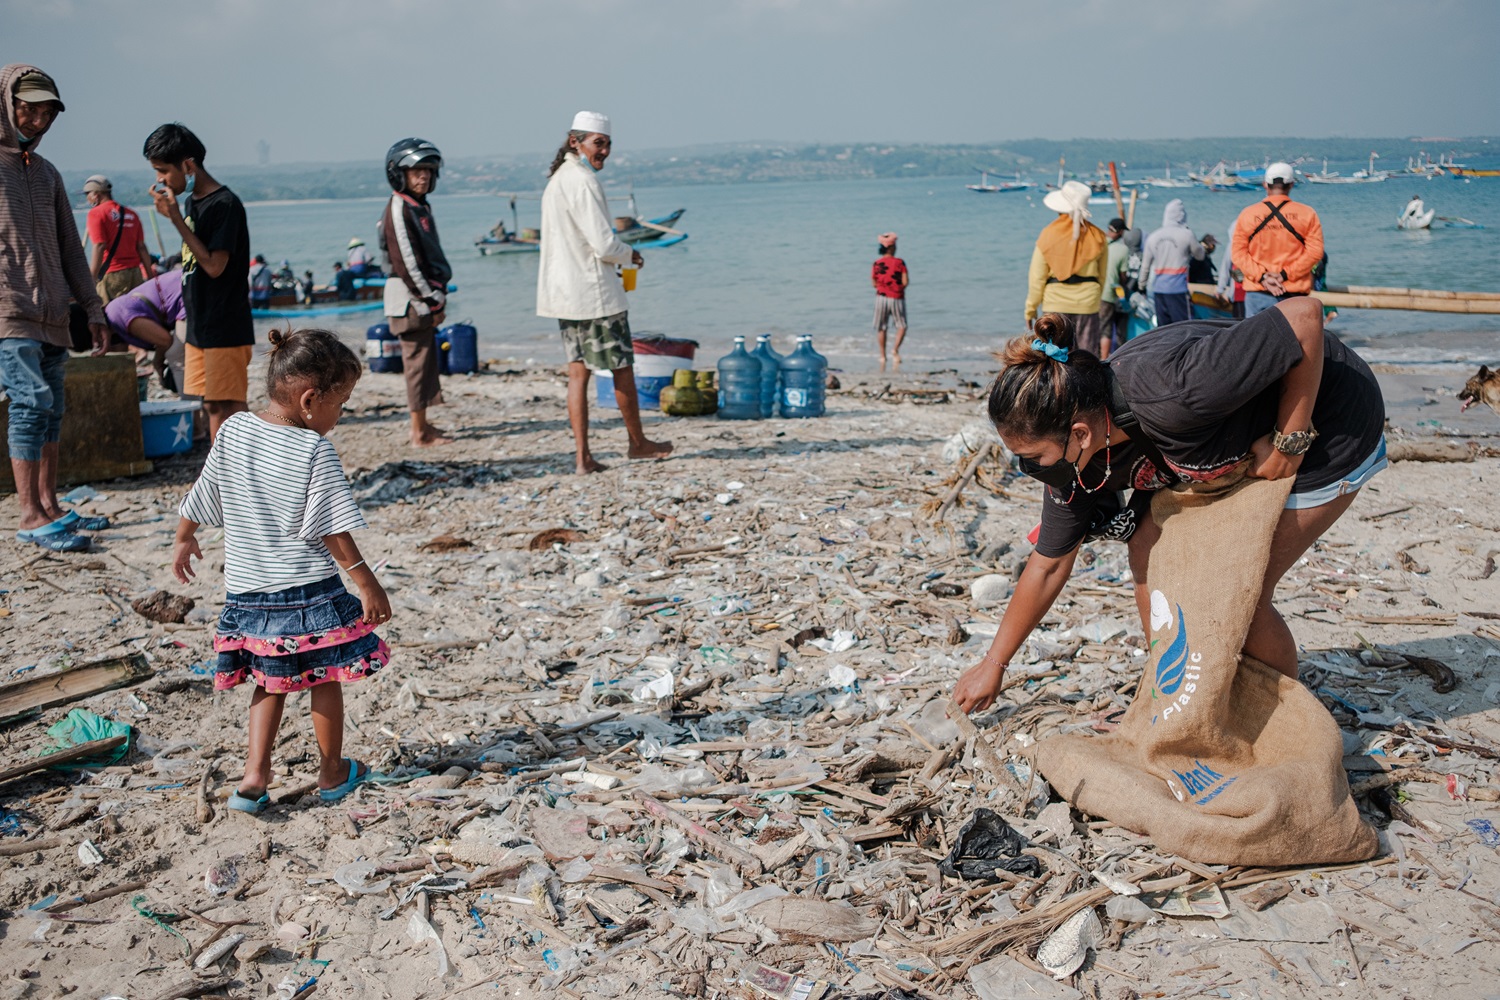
(653, 373)
(167, 427)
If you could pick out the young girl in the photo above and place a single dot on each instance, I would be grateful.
(274, 483)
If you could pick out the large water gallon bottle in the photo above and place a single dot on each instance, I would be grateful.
(803, 373)
(770, 374)
(383, 349)
(739, 384)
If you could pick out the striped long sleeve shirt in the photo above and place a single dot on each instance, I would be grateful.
(276, 492)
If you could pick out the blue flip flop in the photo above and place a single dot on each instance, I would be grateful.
(75, 521)
(245, 804)
(55, 538)
(359, 773)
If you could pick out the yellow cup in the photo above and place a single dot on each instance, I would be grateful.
(627, 275)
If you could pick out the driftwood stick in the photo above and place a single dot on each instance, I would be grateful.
(969, 472)
(748, 863)
(93, 897)
(27, 846)
(982, 747)
(80, 752)
(193, 988)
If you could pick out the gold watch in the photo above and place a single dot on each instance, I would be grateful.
(1295, 443)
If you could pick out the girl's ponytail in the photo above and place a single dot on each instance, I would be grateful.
(1044, 385)
(314, 359)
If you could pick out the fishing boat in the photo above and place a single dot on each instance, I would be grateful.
(649, 234)
(369, 294)
(1220, 177)
(1003, 187)
(1457, 171)
(1458, 222)
(1413, 217)
(1168, 181)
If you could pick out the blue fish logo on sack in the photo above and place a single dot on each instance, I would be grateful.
(1177, 669)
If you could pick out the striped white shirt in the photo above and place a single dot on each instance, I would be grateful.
(277, 492)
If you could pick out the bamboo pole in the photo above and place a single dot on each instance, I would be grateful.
(1409, 302)
(1431, 293)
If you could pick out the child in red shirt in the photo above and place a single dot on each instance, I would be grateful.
(890, 277)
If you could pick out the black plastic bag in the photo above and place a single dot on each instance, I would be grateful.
(987, 842)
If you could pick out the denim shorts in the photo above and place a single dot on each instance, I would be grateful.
(1356, 479)
(292, 639)
(31, 373)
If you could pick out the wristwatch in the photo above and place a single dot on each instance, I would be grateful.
(1295, 443)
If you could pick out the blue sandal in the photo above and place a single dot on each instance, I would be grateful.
(245, 804)
(54, 537)
(359, 773)
(75, 521)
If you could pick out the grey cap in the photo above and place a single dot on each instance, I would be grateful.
(98, 182)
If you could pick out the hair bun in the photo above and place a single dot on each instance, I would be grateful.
(1055, 328)
(277, 338)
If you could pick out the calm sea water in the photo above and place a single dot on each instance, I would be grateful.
(794, 258)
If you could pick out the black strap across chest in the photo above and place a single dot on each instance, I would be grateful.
(109, 258)
(1275, 214)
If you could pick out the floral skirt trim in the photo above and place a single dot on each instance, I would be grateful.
(284, 645)
(359, 669)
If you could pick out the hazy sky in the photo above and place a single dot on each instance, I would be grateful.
(342, 79)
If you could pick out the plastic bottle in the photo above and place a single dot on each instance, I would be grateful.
(739, 384)
(803, 373)
(770, 374)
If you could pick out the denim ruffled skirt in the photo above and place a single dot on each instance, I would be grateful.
(293, 639)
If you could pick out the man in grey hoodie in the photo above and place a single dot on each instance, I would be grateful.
(1164, 264)
(43, 267)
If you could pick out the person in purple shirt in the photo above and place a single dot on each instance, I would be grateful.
(145, 319)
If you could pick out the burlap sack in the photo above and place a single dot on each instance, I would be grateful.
(1219, 759)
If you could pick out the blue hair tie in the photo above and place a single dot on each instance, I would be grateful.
(1051, 350)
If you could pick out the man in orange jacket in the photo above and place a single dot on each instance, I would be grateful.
(1276, 244)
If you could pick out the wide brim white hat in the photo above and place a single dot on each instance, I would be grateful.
(591, 121)
(1073, 196)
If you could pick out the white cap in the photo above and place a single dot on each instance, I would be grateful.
(591, 121)
(1280, 173)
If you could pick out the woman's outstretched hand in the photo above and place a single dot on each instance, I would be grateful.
(979, 686)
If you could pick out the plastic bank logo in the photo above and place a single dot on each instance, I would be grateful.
(1177, 669)
(1200, 782)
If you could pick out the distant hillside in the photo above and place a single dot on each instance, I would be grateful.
(763, 162)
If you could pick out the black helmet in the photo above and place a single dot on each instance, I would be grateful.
(411, 153)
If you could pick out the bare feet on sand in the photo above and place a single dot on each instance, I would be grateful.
(650, 449)
(429, 438)
(588, 465)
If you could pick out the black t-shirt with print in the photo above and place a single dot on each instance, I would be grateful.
(218, 309)
(1204, 392)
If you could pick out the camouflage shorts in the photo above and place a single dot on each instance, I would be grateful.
(602, 344)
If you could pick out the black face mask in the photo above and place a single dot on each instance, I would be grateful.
(1059, 475)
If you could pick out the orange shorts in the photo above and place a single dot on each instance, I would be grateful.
(218, 374)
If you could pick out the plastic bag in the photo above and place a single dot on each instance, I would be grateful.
(82, 726)
(987, 842)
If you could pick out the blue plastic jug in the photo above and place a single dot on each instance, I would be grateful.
(739, 384)
(770, 374)
(463, 349)
(383, 349)
(803, 375)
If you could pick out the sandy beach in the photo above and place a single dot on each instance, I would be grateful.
(750, 645)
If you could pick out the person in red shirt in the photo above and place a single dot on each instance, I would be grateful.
(120, 261)
(890, 278)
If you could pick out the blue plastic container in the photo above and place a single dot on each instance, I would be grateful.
(804, 373)
(167, 427)
(463, 349)
(383, 349)
(739, 384)
(770, 374)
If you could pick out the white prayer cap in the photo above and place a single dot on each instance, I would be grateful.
(1280, 173)
(591, 121)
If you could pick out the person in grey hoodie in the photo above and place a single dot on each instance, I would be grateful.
(1164, 263)
(42, 268)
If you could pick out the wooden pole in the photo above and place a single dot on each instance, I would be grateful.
(1130, 215)
(1409, 302)
(1114, 182)
(1419, 292)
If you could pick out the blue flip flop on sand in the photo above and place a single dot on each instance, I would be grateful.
(75, 521)
(245, 804)
(359, 773)
(55, 537)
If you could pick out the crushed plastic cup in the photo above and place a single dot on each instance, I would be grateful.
(358, 878)
(1485, 830)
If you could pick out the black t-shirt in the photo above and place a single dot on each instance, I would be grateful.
(1204, 392)
(218, 309)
